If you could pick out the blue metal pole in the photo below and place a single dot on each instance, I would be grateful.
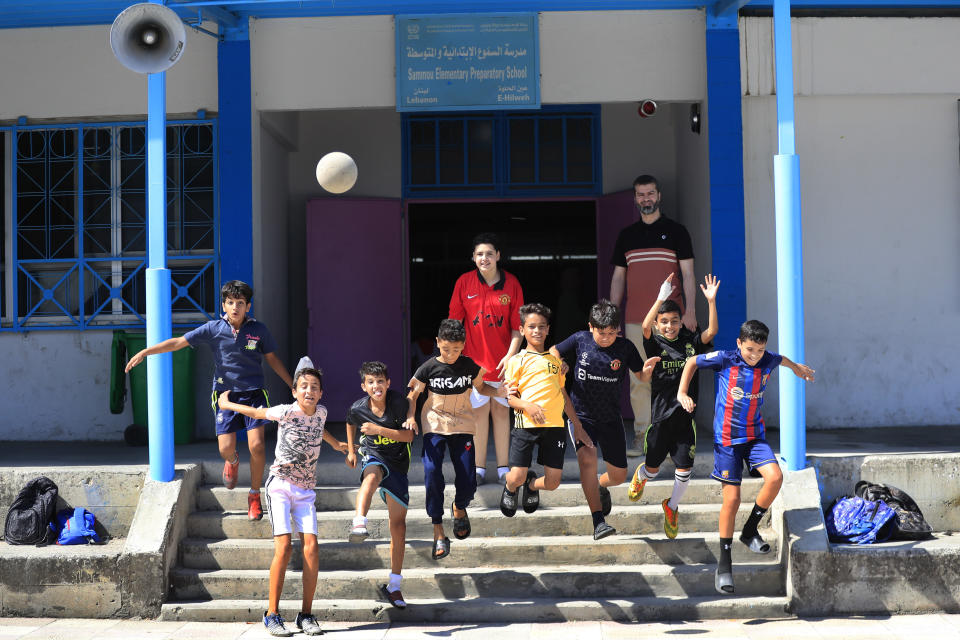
(786, 185)
(159, 322)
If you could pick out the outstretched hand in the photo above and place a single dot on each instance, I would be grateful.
(710, 286)
(804, 372)
(134, 361)
(650, 364)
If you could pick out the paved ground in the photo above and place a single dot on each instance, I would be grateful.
(937, 626)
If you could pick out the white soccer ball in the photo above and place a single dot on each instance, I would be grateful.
(336, 172)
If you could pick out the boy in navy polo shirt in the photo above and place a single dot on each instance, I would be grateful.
(738, 433)
(239, 344)
(599, 360)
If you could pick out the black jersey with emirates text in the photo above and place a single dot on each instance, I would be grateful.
(666, 376)
(395, 454)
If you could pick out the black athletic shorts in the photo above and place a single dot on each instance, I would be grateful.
(551, 443)
(608, 437)
(677, 435)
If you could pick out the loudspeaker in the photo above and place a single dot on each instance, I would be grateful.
(148, 38)
(647, 108)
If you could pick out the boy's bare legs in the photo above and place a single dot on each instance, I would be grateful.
(515, 478)
(481, 438)
(728, 510)
(398, 534)
(258, 457)
(500, 415)
(311, 568)
(772, 481)
(587, 460)
(227, 443)
(278, 570)
(549, 481)
(371, 480)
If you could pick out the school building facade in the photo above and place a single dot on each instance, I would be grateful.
(366, 274)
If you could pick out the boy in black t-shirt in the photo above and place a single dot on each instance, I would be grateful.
(448, 422)
(384, 461)
(671, 431)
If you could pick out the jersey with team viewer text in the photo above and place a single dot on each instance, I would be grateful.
(597, 373)
(740, 388)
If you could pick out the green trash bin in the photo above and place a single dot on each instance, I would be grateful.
(184, 409)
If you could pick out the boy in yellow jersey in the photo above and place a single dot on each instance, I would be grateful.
(539, 402)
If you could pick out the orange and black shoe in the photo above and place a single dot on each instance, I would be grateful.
(254, 510)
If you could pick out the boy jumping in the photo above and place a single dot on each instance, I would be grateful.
(539, 401)
(290, 489)
(384, 461)
(738, 433)
(599, 360)
(672, 431)
(238, 343)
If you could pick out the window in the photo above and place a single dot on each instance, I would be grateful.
(555, 151)
(76, 211)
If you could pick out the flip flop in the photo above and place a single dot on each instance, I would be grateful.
(723, 583)
(756, 544)
(395, 598)
(461, 526)
(529, 499)
(441, 548)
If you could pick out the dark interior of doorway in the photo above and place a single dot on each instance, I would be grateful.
(550, 246)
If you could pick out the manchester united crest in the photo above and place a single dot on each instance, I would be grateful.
(614, 364)
(504, 299)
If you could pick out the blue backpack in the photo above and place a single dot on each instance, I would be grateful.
(76, 526)
(857, 521)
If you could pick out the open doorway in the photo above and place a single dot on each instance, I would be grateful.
(550, 246)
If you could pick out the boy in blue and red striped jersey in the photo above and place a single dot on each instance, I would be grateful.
(738, 433)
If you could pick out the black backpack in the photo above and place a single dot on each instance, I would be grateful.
(28, 521)
(909, 523)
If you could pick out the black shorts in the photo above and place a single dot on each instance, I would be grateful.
(608, 437)
(551, 444)
(677, 435)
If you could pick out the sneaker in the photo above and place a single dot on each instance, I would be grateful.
(637, 483)
(508, 502)
(670, 519)
(358, 533)
(636, 449)
(274, 625)
(307, 623)
(529, 499)
(606, 503)
(254, 509)
(231, 471)
(602, 530)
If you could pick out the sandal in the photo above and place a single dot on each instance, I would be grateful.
(529, 499)
(461, 526)
(441, 548)
(723, 583)
(395, 598)
(756, 544)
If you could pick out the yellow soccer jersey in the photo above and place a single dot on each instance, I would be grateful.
(538, 378)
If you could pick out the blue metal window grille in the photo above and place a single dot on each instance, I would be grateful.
(551, 152)
(77, 208)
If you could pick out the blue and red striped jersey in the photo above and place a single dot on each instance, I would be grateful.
(740, 388)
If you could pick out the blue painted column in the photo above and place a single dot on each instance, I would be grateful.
(786, 185)
(725, 136)
(235, 98)
(159, 322)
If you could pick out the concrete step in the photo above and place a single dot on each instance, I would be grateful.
(559, 521)
(484, 609)
(567, 581)
(568, 494)
(686, 548)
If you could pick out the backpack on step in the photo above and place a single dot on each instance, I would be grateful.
(853, 520)
(30, 516)
(909, 523)
(76, 526)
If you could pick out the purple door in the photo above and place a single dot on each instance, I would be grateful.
(355, 293)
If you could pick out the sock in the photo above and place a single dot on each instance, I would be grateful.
(394, 584)
(254, 493)
(681, 479)
(236, 458)
(361, 520)
(597, 518)
(482, 472)
(726, 563)
(502, 471)
(750, 528)
(646, 472)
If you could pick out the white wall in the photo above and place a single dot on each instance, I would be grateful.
(632, 146)
(880, 197)
(71, 72)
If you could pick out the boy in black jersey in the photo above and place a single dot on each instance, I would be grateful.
(599, 361)
(384, 460)
(672, 430)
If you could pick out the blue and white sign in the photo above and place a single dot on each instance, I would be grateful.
(463, 62)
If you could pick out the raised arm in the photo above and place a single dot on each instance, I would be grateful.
(685, 400)
(665, 290)
(709, 288)
(689, 294)
(618, 284)
(278, 367)
(802, 371)
(224, 402)
(171, 344)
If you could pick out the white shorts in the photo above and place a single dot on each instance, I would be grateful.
(477, 400)
(286, 500)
